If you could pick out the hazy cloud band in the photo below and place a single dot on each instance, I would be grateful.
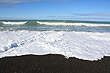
(9, 3)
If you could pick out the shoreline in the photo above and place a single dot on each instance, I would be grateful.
(52, 63)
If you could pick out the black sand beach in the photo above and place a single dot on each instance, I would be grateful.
(52, 64)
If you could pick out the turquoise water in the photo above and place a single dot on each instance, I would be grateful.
(32, 25)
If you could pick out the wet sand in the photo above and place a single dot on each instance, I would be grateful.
(52, 64)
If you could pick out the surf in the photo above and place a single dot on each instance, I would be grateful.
(82, 45)
(14, 23)
(74, 24)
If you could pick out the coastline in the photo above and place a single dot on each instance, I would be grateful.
(52, 63)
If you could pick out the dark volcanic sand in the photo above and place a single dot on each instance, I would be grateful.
(52, 64)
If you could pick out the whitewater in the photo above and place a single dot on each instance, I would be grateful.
(14, 23)
(83, 45)
(74, 24)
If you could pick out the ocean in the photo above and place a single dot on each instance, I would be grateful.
(33, 25)
(87, 40)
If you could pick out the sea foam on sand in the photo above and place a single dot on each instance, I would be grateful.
(82, 45)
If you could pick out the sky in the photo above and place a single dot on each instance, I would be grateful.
(90, 10)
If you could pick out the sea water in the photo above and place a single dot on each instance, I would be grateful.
(85, 26)
(85, 40)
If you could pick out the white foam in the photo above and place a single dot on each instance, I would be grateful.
(82, 45)
(14, 23)
(73, 24)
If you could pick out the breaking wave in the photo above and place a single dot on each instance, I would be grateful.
(82, 45)
(74, 24)
(14, 23)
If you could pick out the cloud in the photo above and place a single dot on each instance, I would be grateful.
(93, 14)
(75, 18)
(9, 3)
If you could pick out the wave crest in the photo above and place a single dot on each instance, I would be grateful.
(74, 24)
(14, 23)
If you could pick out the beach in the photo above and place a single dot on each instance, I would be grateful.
(52, 63)
(54, 36)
